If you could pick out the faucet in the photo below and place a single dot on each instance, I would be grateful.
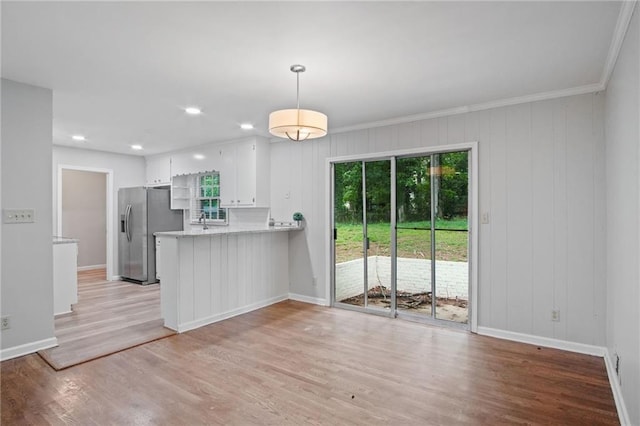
(203, 220)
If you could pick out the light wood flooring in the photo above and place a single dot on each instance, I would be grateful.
(110, 316)
(294, 363)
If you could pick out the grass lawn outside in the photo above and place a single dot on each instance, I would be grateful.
(412, 243)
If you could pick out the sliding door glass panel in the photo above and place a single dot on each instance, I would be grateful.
(450, 194)
(349, 237)
(378, 234)
(413, 235)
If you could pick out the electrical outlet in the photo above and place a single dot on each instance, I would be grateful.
(485, 218)
(555, 315)
(315, 281)
(5, 323)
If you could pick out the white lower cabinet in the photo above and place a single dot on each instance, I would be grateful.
(65, 277)
(211, 277)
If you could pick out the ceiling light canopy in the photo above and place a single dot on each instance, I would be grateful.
(298, 124)
(193, 110)
(246, 126)
(136, 147)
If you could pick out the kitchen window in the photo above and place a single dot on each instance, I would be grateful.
(206, 198)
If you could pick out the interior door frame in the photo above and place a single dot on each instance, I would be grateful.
(473, 215)
(109, 210)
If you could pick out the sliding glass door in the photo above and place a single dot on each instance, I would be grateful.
(401, 236)
(433, 236)
(362, 235)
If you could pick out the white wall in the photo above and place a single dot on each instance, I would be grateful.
(84, 204)
(541, 179)
(27, 249)
(128, 171)
(623, 213)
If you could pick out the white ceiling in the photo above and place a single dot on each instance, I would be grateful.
(121, 72)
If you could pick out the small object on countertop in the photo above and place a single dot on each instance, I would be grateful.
(272, 222)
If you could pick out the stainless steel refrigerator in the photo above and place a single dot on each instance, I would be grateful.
(143, 211)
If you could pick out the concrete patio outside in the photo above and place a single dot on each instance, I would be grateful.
(414, 276)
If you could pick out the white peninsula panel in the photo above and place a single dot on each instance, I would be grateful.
(214, 275)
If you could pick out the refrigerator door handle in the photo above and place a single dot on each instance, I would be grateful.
(127, 222)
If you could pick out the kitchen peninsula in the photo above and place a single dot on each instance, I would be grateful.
(214, 274)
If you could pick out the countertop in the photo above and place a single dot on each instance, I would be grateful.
(64, 240)
(222, 230)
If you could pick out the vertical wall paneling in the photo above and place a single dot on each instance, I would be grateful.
(580, 183)
(223, 274)
(202, 270)
(428, 132)
(169, 297)
(232, 271)
(498, 219)
(219, 276)
(215, 270)
(485, 294)
(599, 220)
(443, 131)
(519, 205)
(408, 136)
(456, 129)
(560, 218)
(542, 208)
(186, 290)
(532, 253)
(244, 265)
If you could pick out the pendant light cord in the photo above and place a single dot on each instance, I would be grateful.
(298, 89)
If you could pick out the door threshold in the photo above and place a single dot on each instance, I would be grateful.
(433, 321)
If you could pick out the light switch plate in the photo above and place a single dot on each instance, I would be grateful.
(18, 215)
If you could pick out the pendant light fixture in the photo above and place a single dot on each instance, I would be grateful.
(298, 124)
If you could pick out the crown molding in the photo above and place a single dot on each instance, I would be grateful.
(543, 96)
(624, 19)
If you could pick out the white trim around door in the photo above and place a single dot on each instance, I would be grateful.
(473, 216)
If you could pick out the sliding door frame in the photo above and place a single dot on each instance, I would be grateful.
(472, 148)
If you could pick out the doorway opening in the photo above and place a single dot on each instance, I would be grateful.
(402, 240)
(85, 209)
(83, 216)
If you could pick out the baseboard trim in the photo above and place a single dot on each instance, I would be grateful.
(623, 414)
(191, 325)
(27, 348)
(307, 299)
(543, 341)
(600, 351)
(91, 267)
(115, 278)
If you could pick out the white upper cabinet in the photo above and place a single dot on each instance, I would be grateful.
(158, 170)
(227, 155)
(245, 174)
(195, 161)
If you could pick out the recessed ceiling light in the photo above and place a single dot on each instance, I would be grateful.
(136, 147)
(198, 156)
(193, 110)
(78, 138)
(246, 126)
